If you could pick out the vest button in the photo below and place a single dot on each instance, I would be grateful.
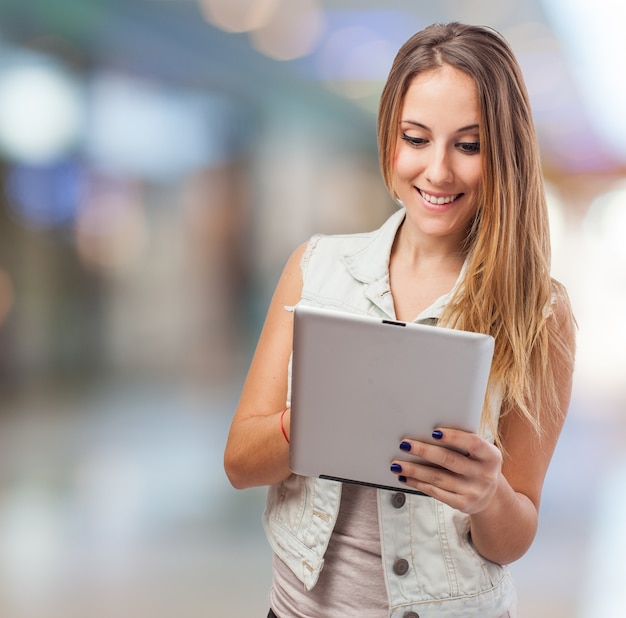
(401, 567)
(398, 499)
(411, 615)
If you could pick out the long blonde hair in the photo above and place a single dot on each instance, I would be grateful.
(507, 290)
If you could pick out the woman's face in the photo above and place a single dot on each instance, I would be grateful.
(437, 166)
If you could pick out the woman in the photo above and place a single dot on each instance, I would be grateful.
(468, 248)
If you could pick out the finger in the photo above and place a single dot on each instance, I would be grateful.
(438, 454)
(464, 442)
(436, 483)
(443, 491)
(427, 476)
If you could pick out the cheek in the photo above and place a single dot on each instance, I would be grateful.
(473, 175)
(405, 166)
(472, 208)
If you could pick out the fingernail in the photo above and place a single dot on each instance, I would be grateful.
(396, 467)
(405, 446)
(402, 479)
(437, 434)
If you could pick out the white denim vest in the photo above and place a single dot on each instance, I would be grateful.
(446, 577)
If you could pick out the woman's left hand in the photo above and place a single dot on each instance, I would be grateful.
(466, 482)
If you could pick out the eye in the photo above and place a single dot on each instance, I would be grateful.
(413, 141)
(469, 147)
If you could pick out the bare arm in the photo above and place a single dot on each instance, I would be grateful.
(505, 530)
(256, 451)
(500, 493)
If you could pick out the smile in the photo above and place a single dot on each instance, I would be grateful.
(439, 200)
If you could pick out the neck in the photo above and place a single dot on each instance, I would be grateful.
(416, 249)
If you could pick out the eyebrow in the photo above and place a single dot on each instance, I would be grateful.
(469, 127)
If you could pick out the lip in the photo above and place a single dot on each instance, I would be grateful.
(445, 200)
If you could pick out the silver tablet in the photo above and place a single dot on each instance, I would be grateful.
(361, 384)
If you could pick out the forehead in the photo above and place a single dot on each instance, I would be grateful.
(443, 94)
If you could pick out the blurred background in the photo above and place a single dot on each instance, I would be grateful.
(159, 161)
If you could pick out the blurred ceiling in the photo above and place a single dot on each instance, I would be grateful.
(350, 47)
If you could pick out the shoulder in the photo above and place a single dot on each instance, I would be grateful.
(336, 244)
(319, 249)
(346, 246)
(560, 309)
(323, 249)
(561, 323)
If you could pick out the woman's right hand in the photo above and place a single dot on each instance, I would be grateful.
(257, 451)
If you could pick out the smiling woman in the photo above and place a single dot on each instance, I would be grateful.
(468, 249)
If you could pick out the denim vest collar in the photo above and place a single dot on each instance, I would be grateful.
(369, 264)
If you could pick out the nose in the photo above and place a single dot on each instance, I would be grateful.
(439, 170)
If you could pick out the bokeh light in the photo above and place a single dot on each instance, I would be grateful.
(293, 31)
(593, 38)
(239, 15)
(41, 109)
(45, 195)
(605, 223)
(111, 228)
(279, 29)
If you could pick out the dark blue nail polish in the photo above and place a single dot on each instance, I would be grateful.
(402, 479)
(405, 446)
(437, 434)
(396, 467)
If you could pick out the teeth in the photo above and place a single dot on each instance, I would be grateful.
(438, 200)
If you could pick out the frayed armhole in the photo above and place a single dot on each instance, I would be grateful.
(308, 252)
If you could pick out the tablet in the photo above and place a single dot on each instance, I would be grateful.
(361, 384)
